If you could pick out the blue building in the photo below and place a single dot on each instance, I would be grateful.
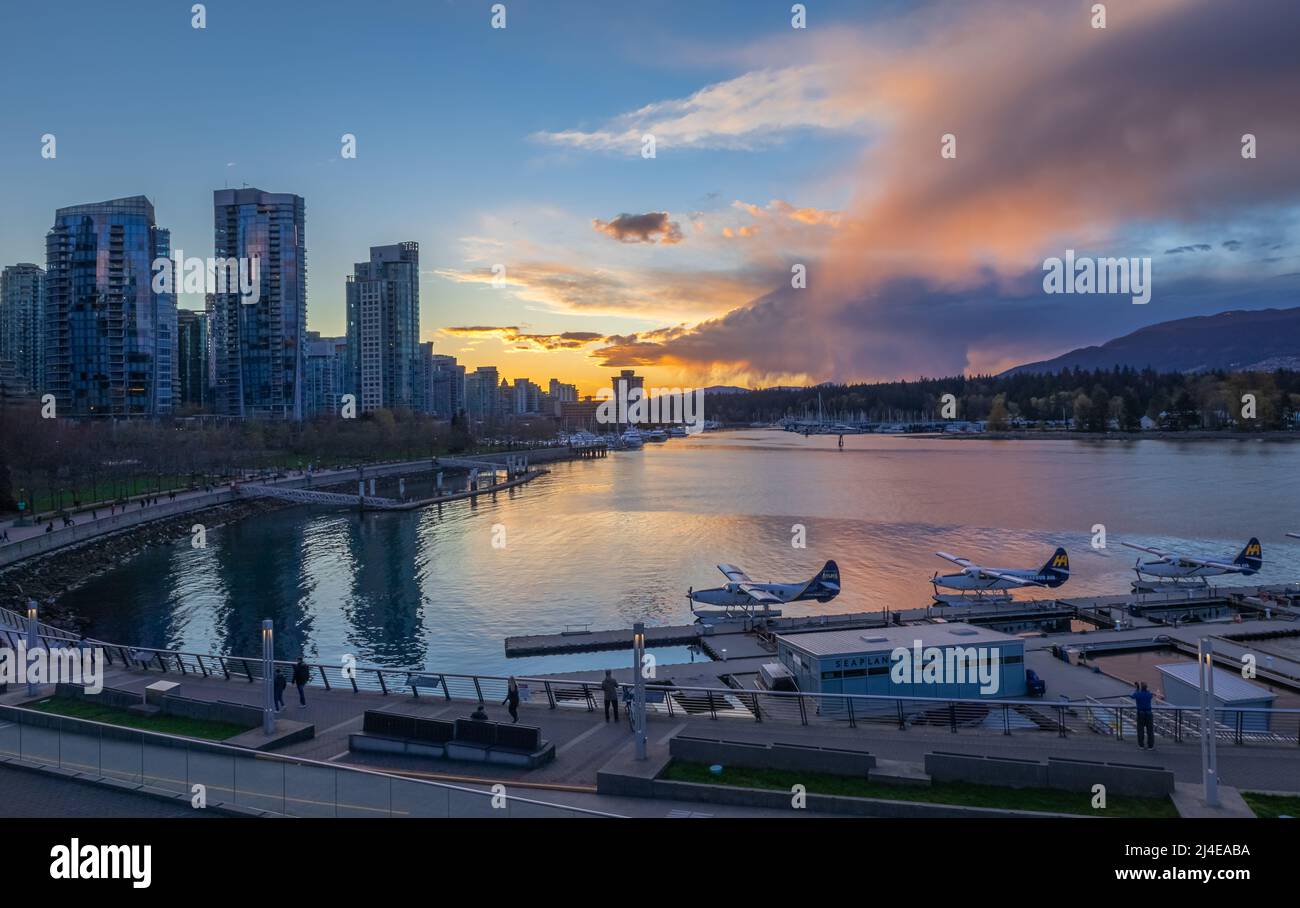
(960, 661)
(109, 338)
(22, 328)
(259, 347)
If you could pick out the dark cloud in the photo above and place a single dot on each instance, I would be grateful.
(651, 227)
(567, 340)
(1196, 247)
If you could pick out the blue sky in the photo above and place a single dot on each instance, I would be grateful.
(461, 146)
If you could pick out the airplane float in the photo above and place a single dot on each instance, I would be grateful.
(743, 598)
(1172, 568)
(981, 580)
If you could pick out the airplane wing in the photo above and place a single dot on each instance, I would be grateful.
(760, 595)
(734, 574)
(1010, 578)
(1234, 568)
(1150, 551)
(954, 559)
(1294, 535)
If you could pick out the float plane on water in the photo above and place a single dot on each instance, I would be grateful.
(981, 580)
(1171, 568)
(743, 598)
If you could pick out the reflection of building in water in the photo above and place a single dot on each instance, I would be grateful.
(385, 604)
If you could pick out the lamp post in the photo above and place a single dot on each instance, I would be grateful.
(268, 678)
(1209, 755)
(33, 613)
(638, 688)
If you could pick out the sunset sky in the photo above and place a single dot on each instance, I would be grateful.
(775, 146)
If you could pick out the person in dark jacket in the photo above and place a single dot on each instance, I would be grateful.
(610, 688)
(301, 675)
(1145, 716)
(280, 684)
(511, 702)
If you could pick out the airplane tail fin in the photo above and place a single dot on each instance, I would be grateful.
(827, 582)
(1251, 557)
(1057, 569)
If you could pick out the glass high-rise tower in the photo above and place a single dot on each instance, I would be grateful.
(259, 348)
(110, 339)
(383, 297)
(22, 328)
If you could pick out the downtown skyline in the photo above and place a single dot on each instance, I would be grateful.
(774, 146)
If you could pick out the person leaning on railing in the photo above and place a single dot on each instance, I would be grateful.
(1145, 717)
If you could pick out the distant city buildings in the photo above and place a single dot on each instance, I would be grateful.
(482, 396)
(383, 328)
(258, 349)
(192, 366)
(109, 338)
(22, 343)
(440, 383)
(326, 375)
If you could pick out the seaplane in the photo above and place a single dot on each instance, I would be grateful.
(1174, 570)
(988, 584)
(743, 598)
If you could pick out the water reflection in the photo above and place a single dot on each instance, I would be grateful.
(618, 540)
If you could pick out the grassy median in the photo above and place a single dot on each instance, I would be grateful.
(1270, 807)
(1047, 800)
(169, 725)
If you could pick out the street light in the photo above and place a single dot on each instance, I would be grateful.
(638, 688)
(268, 680)
(33, 612)
(1209, 754)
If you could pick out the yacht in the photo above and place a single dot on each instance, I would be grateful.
(631, 438)
(655, 435)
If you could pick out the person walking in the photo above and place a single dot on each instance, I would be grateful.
(610, 687)
(1145, 716)
(511, 702)
(280, 684)
(301, 675)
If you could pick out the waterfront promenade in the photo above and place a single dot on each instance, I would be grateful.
(585, 742)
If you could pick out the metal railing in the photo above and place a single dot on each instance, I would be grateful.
(242, 778)
(1061, 718)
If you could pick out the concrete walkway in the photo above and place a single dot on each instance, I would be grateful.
(585, 741)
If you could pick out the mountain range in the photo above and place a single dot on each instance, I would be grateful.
(1236, 341)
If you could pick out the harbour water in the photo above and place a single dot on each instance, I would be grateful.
(608, 542)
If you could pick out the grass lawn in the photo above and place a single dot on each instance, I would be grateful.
(1042, 799)
(1269, 807)
(169, 725)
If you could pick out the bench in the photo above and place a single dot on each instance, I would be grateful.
(467, 739)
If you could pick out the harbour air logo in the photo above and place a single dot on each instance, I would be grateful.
(947, 665)
(75, 861)
(1105, 275)
(663, 406)
(82, 666)
(177, 274)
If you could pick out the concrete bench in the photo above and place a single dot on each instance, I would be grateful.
(155, 692)
(942, 766)
(1119, 778)
(838, 761)
(471, 740)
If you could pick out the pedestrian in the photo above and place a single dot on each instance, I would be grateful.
(301, 675)
(479, 714)
(511, 702)
(280, 683)
(610, 687)
(1145, 717)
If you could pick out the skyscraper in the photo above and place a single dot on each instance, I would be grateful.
(326, 381)
(110, 338)
(22, 305)
(482, 396)
(192, 359)
(383, 298)
(258, 348)
(447, 388)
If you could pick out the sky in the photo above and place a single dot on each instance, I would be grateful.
(552, 246)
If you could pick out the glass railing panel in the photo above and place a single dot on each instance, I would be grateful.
(165, 766)
(309, 791)
(259, 784)
(215, 771)
(418, 799)
(361, 795)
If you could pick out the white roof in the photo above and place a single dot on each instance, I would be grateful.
(1229, 687)
(832, 643)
